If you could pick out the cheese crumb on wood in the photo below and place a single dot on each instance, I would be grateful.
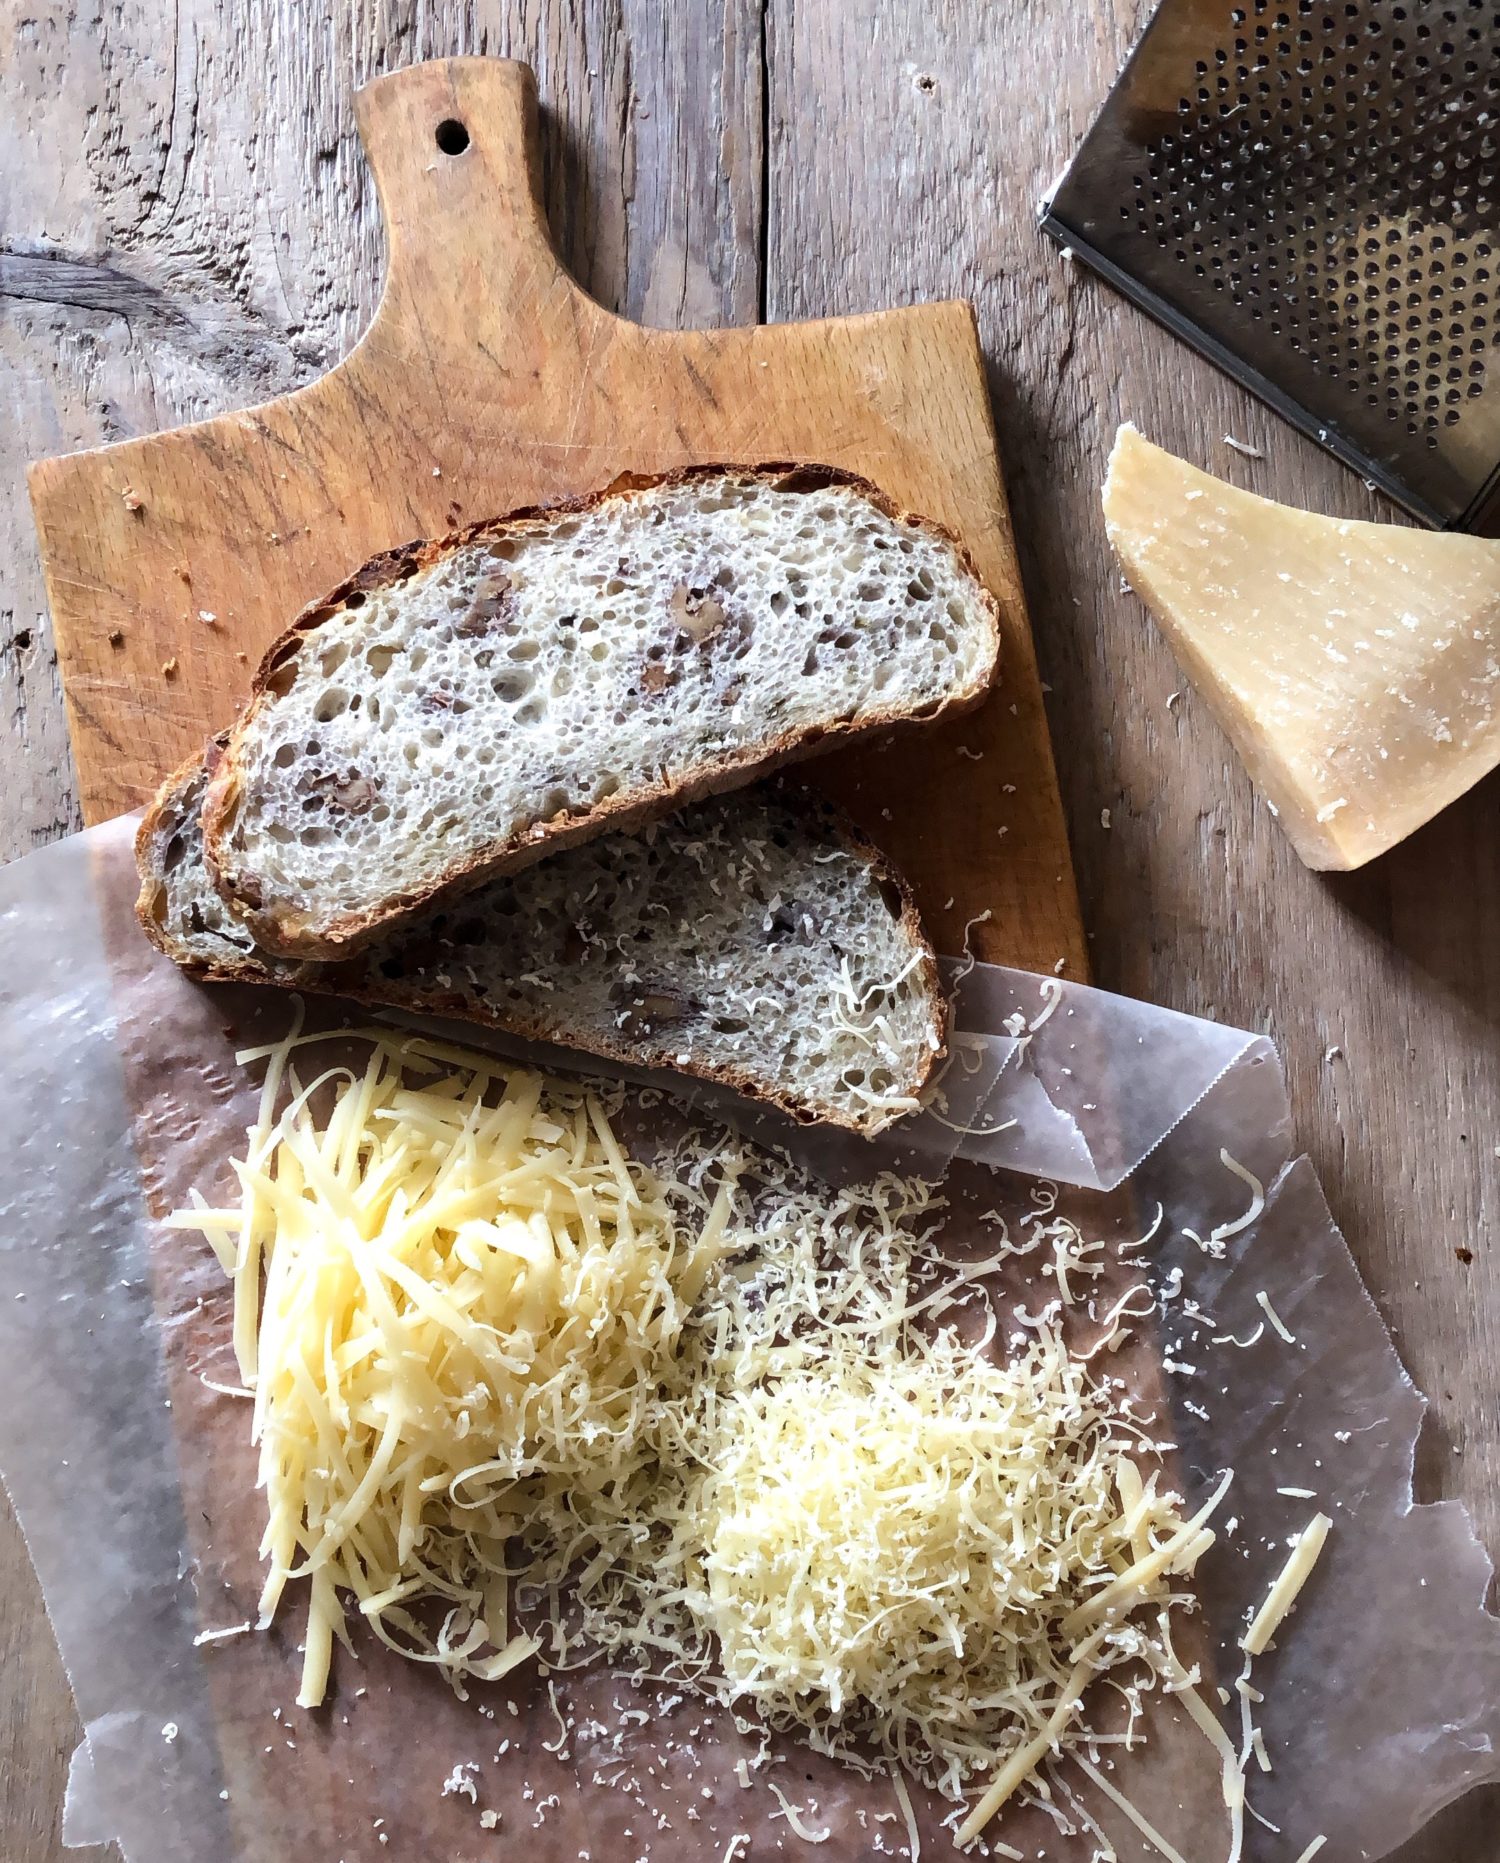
(1355, 666)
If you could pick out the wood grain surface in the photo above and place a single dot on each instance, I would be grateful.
(488, 380)
(187, 227)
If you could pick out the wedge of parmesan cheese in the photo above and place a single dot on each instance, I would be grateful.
(1356, 667)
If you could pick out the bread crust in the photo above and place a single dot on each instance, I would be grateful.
(358, 981)
(280, 929)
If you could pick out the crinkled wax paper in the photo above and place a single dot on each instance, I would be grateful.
(133, 1478)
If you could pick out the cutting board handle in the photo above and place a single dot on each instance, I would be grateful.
(489, 379)
(456, 154)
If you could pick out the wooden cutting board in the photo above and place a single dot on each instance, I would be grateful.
(487, 380)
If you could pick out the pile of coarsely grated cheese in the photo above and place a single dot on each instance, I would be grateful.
(466, 1297)
(709, 1414)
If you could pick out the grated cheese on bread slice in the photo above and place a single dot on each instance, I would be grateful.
(460, 708)
(757, 941)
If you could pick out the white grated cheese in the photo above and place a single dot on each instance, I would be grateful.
(556, 1746)
(463, 1782)
(1221, 1232)
(224, 1390)
(220, 1636)
(1278, 1325)
(1180, 1551)
(1025, 1760)
(1118, 1798)
(793, 1815)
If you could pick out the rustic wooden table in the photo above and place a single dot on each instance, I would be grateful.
(186, 225)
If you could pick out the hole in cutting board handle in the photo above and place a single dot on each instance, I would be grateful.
(452, 136)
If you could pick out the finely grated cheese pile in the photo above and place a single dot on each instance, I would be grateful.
(708, 1418)
(892, 1550)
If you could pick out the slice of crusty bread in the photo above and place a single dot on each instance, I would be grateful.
(758, 941)
(458, 709)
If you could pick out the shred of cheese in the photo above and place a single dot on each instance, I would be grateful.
(1117, 1797)
(205, 1637)
(1221, 1233)
(863, 1015)
(908, 1813)
(794, 1819)
(683, 1416)
(1257, 1197)
(1180, 1551)
(1278, 1325)
(1232, 1763)
(1243, 1344)
(1284, 1593)
(1025, 1760)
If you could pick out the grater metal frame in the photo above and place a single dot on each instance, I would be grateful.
(1141, 240)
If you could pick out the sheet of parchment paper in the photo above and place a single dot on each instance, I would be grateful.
(133, 1478)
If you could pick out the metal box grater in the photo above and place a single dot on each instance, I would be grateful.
(1309, 193)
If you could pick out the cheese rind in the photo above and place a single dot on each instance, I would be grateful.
(1355, 666)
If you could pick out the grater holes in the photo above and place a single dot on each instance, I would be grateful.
(1291, 117)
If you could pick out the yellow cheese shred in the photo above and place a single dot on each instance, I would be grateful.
(1025, 1760)
(465, 1288)
(1283, 1594)
(1118, 1798)
(1231, 1762)
(909, 1816)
